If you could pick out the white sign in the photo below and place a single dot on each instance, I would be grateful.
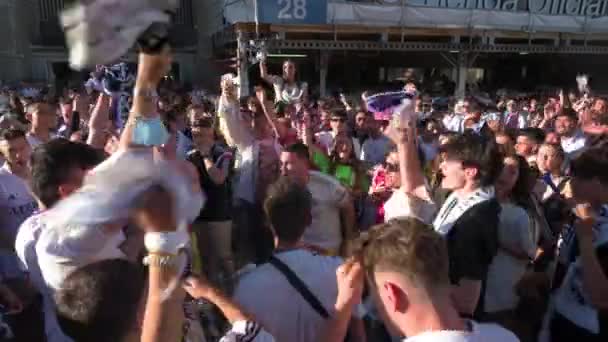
(590, 8)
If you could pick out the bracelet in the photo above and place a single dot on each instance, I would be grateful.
(165, 242)
(165, 261)
(147, 93)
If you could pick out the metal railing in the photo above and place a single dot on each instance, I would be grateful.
(49, 10)
(184, 14)
(429, 46)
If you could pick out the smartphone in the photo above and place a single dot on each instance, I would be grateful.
(75, 124)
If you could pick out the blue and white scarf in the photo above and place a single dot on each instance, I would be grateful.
(455, 206)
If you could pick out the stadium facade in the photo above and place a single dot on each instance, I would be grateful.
(353, 43)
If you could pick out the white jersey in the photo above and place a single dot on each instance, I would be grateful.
(478, 333)
(571, 299)
(16, 203)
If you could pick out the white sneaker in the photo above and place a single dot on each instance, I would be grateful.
(101, 31)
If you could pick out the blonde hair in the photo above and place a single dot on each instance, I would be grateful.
(409, 247)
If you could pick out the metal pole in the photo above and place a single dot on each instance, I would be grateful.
(461, 84)
(256, 18)
(324, 64)
(243, 63)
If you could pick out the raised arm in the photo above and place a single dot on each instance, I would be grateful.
(163, 316)
(244, 328)
(268, 108)
(263, 69)
(264, 72)
(412, 177)
(151, 69)
(99, 123)
(234, 129)
(350, 278)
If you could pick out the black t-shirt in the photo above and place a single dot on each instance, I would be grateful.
(218, 205)
(473, 243)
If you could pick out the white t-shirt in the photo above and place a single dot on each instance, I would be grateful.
(16, 203)
(515, 233)
(290, 93)
(479, 333)
(266, 294)
(62, 250)
(401, 204)
(328, 195)
(25, 246)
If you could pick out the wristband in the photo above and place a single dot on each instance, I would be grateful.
(166, 261)
(165, 242)
(149, 93)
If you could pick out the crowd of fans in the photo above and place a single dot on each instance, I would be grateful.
(322, 221)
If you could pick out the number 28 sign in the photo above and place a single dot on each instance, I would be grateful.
(292, 11)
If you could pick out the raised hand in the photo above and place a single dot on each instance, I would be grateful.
(549, 111)
(197, 286)
(153, 67)
(351, 281)
(260, 94)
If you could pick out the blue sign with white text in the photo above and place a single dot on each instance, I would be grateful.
(292, 11)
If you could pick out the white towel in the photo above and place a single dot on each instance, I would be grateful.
(101, 31)
(109, 191)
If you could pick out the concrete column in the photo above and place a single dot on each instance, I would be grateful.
(15, 50)
(324, 66)
(243, 64)
(207, 21)
(461, 80)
